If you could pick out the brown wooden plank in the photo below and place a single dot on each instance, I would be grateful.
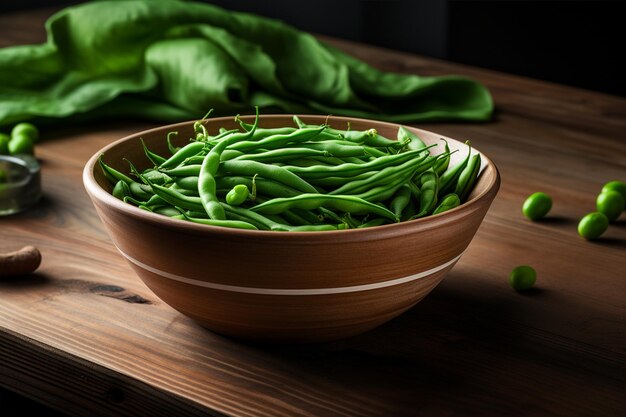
(40, 372)
(85, 324)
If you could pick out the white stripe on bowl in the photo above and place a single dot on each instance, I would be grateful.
(285, 291)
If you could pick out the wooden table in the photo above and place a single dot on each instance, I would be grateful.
(84, 335)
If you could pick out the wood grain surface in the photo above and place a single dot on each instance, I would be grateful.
(84, 335)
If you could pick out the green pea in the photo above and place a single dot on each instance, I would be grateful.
(593, 225)
(611, 204)
(537, 205)
(4, 143)
(26, 129)
(522, 278)
(21, 144)
(618, 186)
(237, 195)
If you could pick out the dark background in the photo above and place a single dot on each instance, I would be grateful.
(569, 42)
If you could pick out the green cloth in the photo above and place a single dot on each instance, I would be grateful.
(170, 60)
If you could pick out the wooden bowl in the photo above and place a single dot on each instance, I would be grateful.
(285, 286)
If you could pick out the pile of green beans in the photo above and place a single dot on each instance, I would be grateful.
(297, 178)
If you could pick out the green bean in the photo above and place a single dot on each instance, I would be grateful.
(151, 202)
(283, 154)
(468, 177)
(339, 181)
(121, 190)
(442, 164)
(298, 122)
(333, 148)
(400, 200)
(183, 153)
(178, 199)
(262, 222)
(184, 191)
(415, 191)
(207, 188)
(376, 140)
(263, 131)
(168, 211)
(429, 187)
(240, 213)
(266, 133)
(226, 133)
(173, 149)
(139, 190)
(272, 172)
(234, 136)
(447, 182)
(385, 191)
(187, 183)
(263, 185)
(349, 204)
(371, 151)
(235, 224)
(409, 211)
(193, 160)
(374, 222)
(383, 176)
(368, 137)
(229, 154)
(214, 140)
(289, 217)
(346, 219)
(277, 141)
(329, 214)
(354, 160)
(304, 162)
(307, 215)
(198, 126)
(198, 214)
(448, 202)
(329, 160)
(206, 179)
(293, 217)
(309, 228)
(156, 177)
(130, 199)
(184, 170)
(414, 142)
(155, 200)
(152, 157)
(349, 170)
(111, 174)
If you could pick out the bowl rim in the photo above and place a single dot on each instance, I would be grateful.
(96, 192)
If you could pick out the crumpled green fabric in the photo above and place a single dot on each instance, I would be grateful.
(170, 60)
